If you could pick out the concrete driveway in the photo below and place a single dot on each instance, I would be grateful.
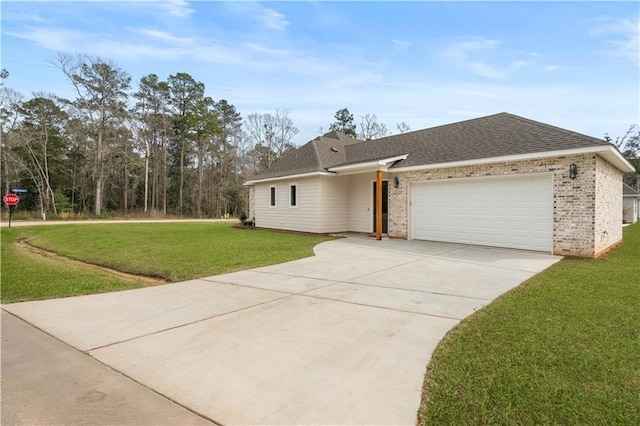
(339, 338)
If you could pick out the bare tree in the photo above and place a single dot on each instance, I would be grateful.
(41, 142)
(370, 128)
(403, 127)
(10, 101)
(271, 135)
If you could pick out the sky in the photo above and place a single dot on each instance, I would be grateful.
(570, 64)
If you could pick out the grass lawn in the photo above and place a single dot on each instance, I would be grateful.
(172, 251)
(563, 348)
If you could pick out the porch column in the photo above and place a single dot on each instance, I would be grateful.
(378, 205)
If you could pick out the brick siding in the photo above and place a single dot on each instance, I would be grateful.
(608, 217)
(586, 210)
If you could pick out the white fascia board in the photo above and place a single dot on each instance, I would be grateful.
(298, 176)
(608, 152)
(368, 166)
(615, 157)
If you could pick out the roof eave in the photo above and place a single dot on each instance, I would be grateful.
(369, 166)
(297, 176)
(615, 157)
(608, 152)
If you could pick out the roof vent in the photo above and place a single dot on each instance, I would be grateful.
(334, 149)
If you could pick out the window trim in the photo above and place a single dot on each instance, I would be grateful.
(291, 186)
(273, 196)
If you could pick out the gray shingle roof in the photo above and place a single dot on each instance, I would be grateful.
(315, 156)
(496, 135)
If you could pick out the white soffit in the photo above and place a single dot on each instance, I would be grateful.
(369, 166)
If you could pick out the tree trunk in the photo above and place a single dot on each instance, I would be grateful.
(164, 198)
(99, 169)
(125, 189)
(146, 175)
(200, 182)
(181, 180)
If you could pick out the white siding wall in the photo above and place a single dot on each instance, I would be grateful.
(361, 202)
(630, 210)
(325, 204)
(334, 192)
(305, 217)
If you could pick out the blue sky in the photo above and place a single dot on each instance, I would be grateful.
(570, 64)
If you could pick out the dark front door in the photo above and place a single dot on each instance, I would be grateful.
(385, 203)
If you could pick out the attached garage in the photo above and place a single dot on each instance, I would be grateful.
(513, 211)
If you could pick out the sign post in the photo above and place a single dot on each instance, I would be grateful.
(11, 200)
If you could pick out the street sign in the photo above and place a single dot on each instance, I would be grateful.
(11, 199)
(19, 190)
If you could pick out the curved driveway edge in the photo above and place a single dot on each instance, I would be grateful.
(339, 338)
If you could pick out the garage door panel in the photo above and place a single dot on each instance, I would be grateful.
(514, 212)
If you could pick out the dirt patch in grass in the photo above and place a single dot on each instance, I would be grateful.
(23, 245)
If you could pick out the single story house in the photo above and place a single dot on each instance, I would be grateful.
(631, 204)
(500, 180)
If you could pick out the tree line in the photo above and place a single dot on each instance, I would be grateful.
(161, 147)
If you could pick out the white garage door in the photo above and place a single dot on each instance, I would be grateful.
(514, 212)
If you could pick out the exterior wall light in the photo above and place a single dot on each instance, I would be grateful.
(573, 171)
(396, 182)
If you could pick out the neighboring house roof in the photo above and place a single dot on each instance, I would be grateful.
(498, 135)
(628, 191)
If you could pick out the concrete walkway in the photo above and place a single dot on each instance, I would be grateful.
(339, 338)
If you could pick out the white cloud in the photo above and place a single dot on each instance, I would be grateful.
(21, 16)
(257, 12)
(163, 36)
(400, 44)
(622, 34)
(273, 19)
(153, 45)
(175, 8)
(473, 54)
(56, 39)
(261, 48)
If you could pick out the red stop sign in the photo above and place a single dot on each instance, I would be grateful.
(11, 199)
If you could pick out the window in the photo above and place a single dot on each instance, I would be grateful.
(272, 196)
(293, 195)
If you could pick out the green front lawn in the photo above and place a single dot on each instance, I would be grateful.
(563, 348)
(173, 251)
